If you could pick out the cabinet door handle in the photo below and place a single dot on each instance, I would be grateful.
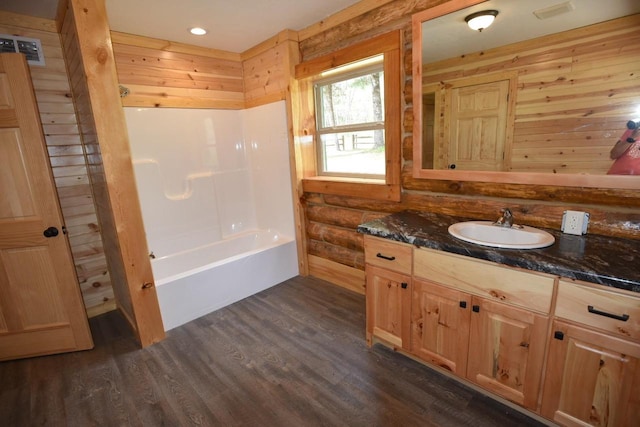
(388, 258)
(623, 317)
(476, 309)
(463, 304)
(559, 335)
(404, 285)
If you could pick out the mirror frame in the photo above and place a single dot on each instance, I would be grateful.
(537, 178)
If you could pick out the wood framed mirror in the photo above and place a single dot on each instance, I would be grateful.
(547, 107)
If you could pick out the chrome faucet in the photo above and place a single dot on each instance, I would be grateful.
(506, 220)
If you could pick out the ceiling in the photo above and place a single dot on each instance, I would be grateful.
(449, 36)
(236, 27)
(233, 26)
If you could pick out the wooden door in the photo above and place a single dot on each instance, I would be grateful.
(506, 350)
(478, 126)
(41, 308)
(440, 319)
(388, 305)
(592, 379)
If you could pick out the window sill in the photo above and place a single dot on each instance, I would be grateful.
(376, 189)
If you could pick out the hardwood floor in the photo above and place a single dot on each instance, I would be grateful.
(294, 355)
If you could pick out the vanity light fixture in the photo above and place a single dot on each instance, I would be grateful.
(197, 31)
(480, 20)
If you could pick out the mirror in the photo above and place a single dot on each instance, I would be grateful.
(531, 106)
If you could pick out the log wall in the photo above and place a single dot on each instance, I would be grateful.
(335, 249)
(53, 93)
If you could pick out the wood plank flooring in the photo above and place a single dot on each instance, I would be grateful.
(294, 355)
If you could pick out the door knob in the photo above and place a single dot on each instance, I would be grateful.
(50, 232)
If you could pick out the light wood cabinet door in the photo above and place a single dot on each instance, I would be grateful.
(592, 379)
(388, 296)
(506, 351)
(440, 319)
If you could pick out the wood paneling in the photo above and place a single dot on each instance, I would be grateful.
(160, 73)
(31, 22)
(266, 75)
(58, 117)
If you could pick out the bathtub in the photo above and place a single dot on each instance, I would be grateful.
(198, 281)
(215, 194)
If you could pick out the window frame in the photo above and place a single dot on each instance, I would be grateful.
(341, 76)
(305, 132)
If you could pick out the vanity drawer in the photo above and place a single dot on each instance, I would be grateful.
(388, 254)
(615, 312)
(533, 291)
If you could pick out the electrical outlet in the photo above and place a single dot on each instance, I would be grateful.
(575, 222)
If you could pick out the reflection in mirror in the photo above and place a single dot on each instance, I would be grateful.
(536, 101)
(428, 130)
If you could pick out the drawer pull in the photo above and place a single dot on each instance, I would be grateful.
(388, 258)
(623, 317)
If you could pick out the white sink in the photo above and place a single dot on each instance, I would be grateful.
(486, 233)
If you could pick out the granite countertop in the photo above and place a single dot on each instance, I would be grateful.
(605, 260)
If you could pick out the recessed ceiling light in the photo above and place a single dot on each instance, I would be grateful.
(197, 31)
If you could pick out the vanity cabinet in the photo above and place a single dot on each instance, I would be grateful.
(492, 344)
(490, 318)
(567, 350)
(593, 367)
(388, 291)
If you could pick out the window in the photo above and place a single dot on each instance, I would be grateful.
(347, 116)
(350, 120)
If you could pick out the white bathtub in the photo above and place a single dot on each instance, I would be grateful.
(193, 283)
(215, 192)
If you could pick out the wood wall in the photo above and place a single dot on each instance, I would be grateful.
(160, 73)
(574, 93)
(51, 84)
(335, 249)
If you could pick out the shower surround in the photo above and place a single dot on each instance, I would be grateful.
(215, 191)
